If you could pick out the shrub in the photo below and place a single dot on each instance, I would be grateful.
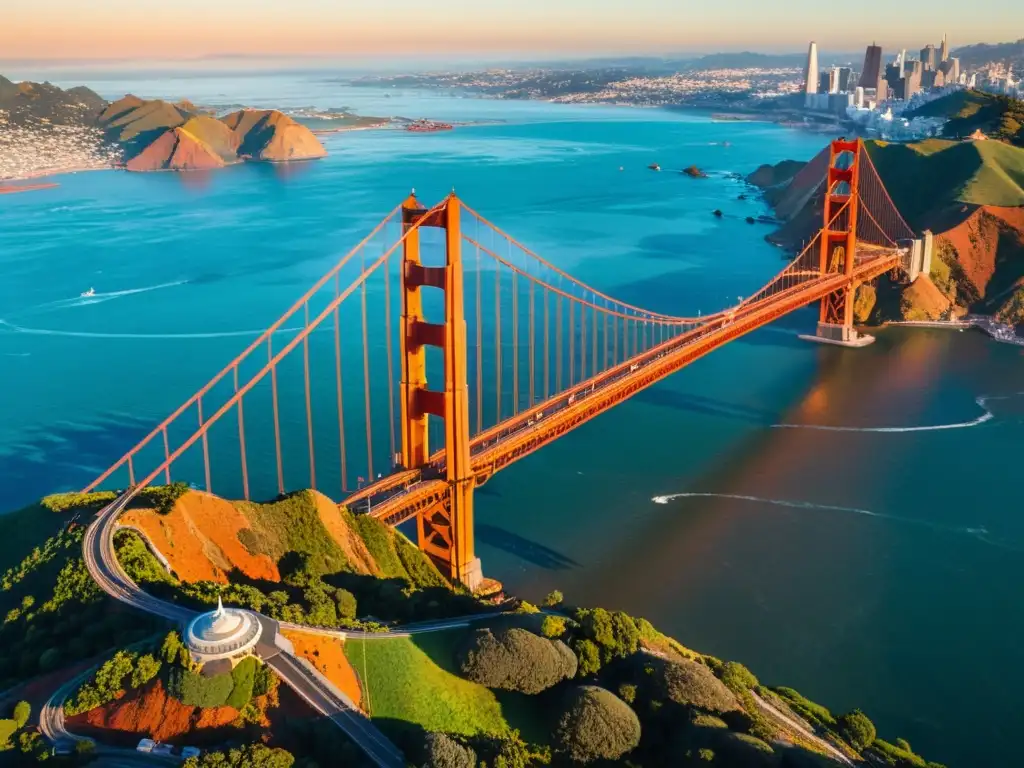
(174, 651)
(442, 751)
(197, 691)
(691, 684)
(65, 502)
(615, 633)
(589, 657)
(737, 677)
(162, 497)
(857, 729)
(264, 681)
(595, 725)
(807, 709)
(525, 607)
(746, 750)
(627, 692)
(378, 539)
(347, 606)
(552, 627)
(422, 572)
(248, 756)
(23, 710)
(7, 729)
(105, 684)
(243, 678)
(146, 668)
(553, 598)
(515, 660)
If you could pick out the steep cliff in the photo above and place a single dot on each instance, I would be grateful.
(969, 193)
(272, 136)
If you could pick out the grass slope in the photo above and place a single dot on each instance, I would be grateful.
(412, 682)
(972, 172)
(967, 111)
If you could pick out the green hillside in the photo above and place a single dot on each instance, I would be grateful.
(973, 172)
(999, 117)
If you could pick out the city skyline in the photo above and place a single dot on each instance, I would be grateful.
(122, 29)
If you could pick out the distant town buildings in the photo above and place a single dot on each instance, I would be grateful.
(878, 97)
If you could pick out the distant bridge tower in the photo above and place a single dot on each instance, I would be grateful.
(445, 522)
(839, 244)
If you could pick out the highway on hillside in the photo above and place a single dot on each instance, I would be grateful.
(303, 678)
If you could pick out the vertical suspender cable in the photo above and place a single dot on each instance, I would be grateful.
(593, 337)
(558, 343)
(337, 379)
(277, 417)
(241, 440)
(497, 340)
(583, 341)
(547, 344)
(532, 367)
(572, 342)
(366, 386)
(390, 350)
(206, 448)
(604, 336)
(309, 400)
(479, 344)
(515, 346)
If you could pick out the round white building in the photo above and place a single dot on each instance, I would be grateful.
(223, 634)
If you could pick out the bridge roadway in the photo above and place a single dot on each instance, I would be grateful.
(400, 496)
(303, 678)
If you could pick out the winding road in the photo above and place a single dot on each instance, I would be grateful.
(297, 674)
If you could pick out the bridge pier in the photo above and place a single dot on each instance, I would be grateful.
(840, 335)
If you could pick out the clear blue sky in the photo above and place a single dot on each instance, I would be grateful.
(69, 29)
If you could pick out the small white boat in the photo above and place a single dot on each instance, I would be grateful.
(90, 292)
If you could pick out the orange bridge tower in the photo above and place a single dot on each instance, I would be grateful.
(445, 521)
(838, 254)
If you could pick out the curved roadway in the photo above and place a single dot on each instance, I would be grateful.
(301, 677)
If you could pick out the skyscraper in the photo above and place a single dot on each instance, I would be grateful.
(954, 70)
(844, 79)
(871, 73)
(811, 75)
(912, 82)
(945, 48)
(928, 56)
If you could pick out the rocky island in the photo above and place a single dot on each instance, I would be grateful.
(44, 130)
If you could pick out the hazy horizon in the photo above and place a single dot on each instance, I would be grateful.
(125, 31)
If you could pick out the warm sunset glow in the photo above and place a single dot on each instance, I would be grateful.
(71, 29)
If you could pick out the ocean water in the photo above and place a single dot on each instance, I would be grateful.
(876, 564)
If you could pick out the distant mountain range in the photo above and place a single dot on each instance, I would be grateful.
(983, 53)
(27, 103)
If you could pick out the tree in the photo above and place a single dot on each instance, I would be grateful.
(146, 668)
(7, 729)
(198, 691)
(347, 606)
(589, 656)
(553, 598)
(442, 751)
(595, 725)
(692, 684)
(737, 677)
(243, 677)
(857, 729)
(22, 712)
(552, 627)
(515, 660)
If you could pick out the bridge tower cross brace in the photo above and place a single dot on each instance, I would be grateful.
(839, 239)
(445, 526)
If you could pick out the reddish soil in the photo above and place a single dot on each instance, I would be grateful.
(982, 241)
(150, 711)
(200, 539)
(327, 655)
(923, 301)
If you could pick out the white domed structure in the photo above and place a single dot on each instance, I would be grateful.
(226, 633)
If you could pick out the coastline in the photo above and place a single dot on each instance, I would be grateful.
(46, 173)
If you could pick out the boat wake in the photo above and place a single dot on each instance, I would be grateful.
(979, 533)
(95, 298)
(4, 325)
(981, 401)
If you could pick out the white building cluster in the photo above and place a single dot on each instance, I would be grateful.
(42, 148)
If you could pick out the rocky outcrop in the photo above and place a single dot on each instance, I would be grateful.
(272, 136)
(694, 172)
(176, 150)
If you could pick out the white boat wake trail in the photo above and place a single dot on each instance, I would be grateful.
(90, 335)
(96, 298)
(981, 401)
(979, 533)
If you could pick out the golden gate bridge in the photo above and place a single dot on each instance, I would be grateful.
(489, 351)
